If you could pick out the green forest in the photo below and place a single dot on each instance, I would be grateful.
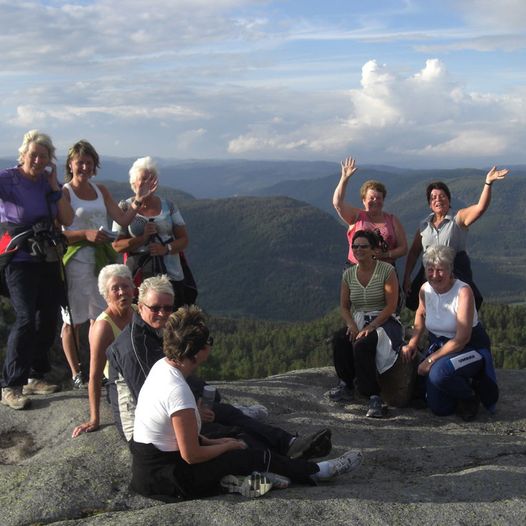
(254, 349)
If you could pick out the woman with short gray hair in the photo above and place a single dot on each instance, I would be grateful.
(116, 287)
(458, 366)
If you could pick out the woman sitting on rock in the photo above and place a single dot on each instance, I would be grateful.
(369, 343)
(458, 365)
(116, 287)
(171, 459)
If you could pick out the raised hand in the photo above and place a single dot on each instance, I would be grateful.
(348, 167)
(494, 174)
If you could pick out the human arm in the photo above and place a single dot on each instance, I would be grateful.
(147, 186)
(346, 211)
(65, 213)
(345, 311)
(127, 243)
(391, 300)
(410, 262)
(178, 244)
(192, 450)
(465, 310)
(410, 350)
(100, 337)
(467, 216)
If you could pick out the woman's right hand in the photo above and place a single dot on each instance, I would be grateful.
(348, 167)
(408, 352)
(86, 427)
(352, 332)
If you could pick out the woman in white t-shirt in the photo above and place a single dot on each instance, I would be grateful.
(171, 459)
(458, 366)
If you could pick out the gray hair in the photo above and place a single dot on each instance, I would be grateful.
(439, 255)
(140, 165)
(39, 138)
(112, 271)
(158, 284)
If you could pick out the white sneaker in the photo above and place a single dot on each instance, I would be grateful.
(346, 463)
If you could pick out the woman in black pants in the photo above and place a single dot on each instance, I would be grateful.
(170, 457)
(370, 342)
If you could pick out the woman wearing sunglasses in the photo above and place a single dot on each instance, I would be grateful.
(117, 288)
(370, 342)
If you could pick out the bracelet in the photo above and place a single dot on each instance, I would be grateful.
(430, 361)
(489, 184)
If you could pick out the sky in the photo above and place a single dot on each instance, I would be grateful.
(416, 83)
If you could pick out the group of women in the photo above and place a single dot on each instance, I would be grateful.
(55, 244)
(456, 369)
(50, 229)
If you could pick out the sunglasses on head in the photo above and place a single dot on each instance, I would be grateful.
(158, 308)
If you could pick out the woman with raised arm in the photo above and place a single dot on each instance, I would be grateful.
(89, 243)
(458, 367)
(31, 201)
(156, 237)
(371, 217)
(442, 227)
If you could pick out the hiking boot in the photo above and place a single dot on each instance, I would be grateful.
(315, 445)
(13, 397)
(252, 486)
(377, 409)
(348, 462)
(38, 386)
(468, 408)
(342, 393)
(78, 381)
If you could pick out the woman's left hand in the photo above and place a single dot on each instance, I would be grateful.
(365, 331)
(494, 174)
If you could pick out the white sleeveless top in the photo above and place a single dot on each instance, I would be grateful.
(441, 310)
(89, 215)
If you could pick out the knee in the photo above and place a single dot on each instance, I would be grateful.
(439, 375)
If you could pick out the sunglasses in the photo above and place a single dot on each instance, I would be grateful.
(354, 247)
(158, 308)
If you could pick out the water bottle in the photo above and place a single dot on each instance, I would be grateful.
(209, 396)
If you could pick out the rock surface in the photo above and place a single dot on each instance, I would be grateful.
(419, 469)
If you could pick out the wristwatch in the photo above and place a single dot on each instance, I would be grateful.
(169, 248)
(137, 203)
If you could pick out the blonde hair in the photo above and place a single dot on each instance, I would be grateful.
(158, 284)
(39, 138)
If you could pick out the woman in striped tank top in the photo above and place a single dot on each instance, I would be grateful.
(370, 342)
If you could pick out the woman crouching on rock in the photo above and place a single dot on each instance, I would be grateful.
(171, 459)
(458, 365)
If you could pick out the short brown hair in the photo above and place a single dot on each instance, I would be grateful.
(81, 147)
(185, 333)
(371, 184)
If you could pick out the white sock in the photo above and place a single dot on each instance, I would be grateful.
(325, 471)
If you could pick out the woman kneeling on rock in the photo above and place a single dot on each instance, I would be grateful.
(171, 459)
(458, 365)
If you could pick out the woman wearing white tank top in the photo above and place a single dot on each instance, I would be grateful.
(89, 243)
